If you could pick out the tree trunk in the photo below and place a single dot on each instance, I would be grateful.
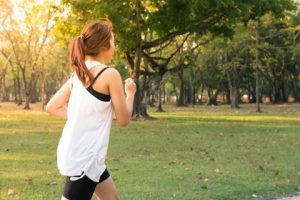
(160, 88)
(137, 111)
(233, 88)
(296, 75)
(235, 97)
(210, 98)
(283, 96)
(227, 94)
(181, 90)
(282, 80)
(274, 93)
(195, 97)
(25, 88)
(43, 91)
(29, 91)
(144, 95)
(17, 85)
(35, 92)
(201, 94)
(295, 87)
(17, 91)
(151, 100)
(20, 100)
(250, 91)
(159, 108)
(3, 88)
(191, 93)
(164, 96)
(257, 91)
(144, 101)
(8, 61)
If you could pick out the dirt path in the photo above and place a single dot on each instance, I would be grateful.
(290, 198)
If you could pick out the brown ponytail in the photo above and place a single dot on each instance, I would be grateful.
(77, 60)
(94, 37)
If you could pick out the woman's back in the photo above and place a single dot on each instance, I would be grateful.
(85, 135)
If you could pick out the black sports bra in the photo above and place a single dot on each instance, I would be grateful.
(98, 95)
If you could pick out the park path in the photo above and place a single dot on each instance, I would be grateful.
(290, 198)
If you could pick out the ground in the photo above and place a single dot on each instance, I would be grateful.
(187, 153)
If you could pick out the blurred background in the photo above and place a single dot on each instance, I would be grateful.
(218, 91)
(182, 52)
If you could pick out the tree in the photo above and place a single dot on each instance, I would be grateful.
(160, 19)
(141, 17)
(27, 37)
(256, 12)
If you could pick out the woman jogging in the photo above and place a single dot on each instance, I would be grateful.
(94, 92)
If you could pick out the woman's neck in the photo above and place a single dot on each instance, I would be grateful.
(99, 59)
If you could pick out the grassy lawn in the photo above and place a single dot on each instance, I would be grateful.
(188, 153)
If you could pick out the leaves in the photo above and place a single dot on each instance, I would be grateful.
(29, 181)
(53, 182)
(11, 192)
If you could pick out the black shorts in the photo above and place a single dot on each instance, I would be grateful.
(83, 188)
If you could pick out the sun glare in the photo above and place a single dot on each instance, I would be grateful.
(18, 13)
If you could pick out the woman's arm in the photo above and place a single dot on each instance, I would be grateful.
(56, 106)
(123, 106)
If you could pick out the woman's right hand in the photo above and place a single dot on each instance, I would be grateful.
(130, 86)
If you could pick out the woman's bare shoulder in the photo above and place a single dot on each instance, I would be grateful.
(113, 74)
(113, 71)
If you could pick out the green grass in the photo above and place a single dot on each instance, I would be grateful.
(188, 153)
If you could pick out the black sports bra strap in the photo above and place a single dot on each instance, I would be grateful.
(99, 74)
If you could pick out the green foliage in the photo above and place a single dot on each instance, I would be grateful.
(169, 21)
(119, 12)
(259, 8)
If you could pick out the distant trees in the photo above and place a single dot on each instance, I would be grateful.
(172, 47)
(26, 34)
(148, 31)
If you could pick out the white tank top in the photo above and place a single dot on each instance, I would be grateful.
(84, 141)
